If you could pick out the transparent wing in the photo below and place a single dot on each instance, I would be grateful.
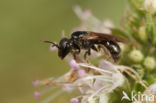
(102, 36)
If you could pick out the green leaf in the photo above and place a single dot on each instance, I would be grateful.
(121, 33)
(136, 5)
(150, 28)
(138, 87)
(150, 79)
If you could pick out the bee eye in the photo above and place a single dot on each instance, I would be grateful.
(64, 43)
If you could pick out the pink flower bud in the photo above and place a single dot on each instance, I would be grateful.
(35, 83)
(86, 14)
(36, 94)
(74, 100)
(73, 64)
(81, 73)
(52, 48)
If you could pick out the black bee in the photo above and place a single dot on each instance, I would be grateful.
(87, 40)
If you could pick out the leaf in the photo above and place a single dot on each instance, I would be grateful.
(136, 5)
(121, 33)
(150, 28)
(138, 87)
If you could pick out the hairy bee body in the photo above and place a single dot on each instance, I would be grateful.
(85, 40)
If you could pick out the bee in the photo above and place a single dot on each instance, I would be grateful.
(87, 40)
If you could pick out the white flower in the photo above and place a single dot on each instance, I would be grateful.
(110, 78)
(91, 23)
(150, 5)
(105, 82)
(151, 92)
(118, 79)
(91, 100)
(152, 88)
(97, 82)
(103, 98)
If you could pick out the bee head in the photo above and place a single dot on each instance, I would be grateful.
(64, 47)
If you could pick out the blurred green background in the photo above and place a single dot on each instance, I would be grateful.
(23, 23)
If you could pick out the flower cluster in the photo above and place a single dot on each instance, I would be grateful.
(103, 81)
(93, 82)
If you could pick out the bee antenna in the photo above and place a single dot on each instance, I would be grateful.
(54, 44)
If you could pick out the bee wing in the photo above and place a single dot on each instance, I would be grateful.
(102, 36)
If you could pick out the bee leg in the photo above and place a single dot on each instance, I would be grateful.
(75, 53)
(74, 56)
(87, 53)
(99, 47)
(107, 54)
(94, 48)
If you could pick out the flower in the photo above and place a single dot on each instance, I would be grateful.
(136, 56)
(104, 98)
(52, 48)
(81, 73)
(36, 94)
(149, 62)
(91, 100)
(92, 83)
(150, 5)
(151, 92)
(152, 88)
(74, 100)
(73, 64)
(91, 23)
(95, 85)
(35, 82)
(67, 88)
(142, 33)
